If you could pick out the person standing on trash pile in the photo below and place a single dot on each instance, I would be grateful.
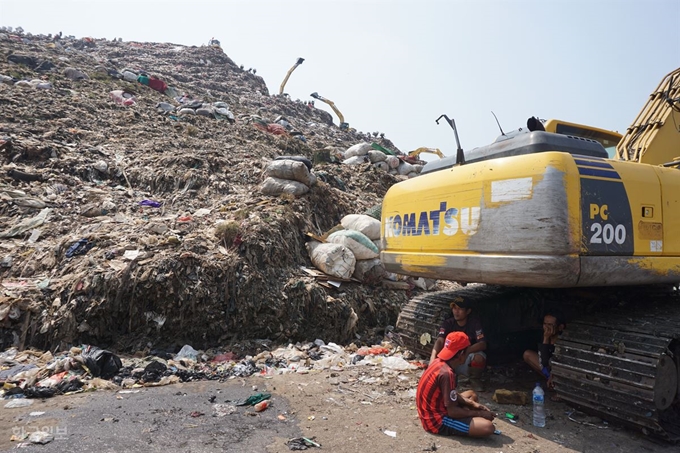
(475, 357)
(539, 361)
(441, 409)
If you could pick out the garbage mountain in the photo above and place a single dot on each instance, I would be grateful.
(131, 214)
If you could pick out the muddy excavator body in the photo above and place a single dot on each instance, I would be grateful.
(548, 216)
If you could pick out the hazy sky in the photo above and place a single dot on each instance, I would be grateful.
(395, 66)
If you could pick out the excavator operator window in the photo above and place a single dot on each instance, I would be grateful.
(608, 141)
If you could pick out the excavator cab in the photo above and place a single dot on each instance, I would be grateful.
(608, 139)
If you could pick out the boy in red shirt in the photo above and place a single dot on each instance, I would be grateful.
(442, 410)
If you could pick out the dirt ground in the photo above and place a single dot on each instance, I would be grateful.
(345, 411)
(352, 418)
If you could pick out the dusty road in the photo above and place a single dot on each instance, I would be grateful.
(346, 411)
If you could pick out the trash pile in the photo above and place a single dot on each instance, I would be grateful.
(383, 159)
(32, 374)
(135, 230)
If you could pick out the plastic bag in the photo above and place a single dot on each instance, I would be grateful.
(100, 362)
(187, 352)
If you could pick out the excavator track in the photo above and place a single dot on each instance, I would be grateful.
(619, 359)
(624, 366)
(420, 318)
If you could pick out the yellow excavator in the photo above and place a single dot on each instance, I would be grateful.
(417, 152)
(341, 118)
(546, 217)
(290, 71)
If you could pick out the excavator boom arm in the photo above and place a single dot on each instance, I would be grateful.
(415, 153)
(290, 71)
(341, 118)
(651, 137)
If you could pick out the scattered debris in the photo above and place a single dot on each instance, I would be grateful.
(40, 437)
(302, 443)
(586, 420)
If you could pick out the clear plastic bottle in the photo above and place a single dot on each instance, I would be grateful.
(539, 408)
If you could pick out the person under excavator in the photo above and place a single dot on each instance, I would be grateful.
(462, 321)
(539, 361)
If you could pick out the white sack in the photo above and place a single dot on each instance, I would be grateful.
(377, 156)
(360, 149)
(333, 259)
(392, 161)
(382, 166)
(355, 160)
(360, 245)
(289, 169)
(405, 168)
(276, 186)
(362, 223)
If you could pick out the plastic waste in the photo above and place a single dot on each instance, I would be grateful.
(262, 405)
(151, 203)
(18, 403)
(129, 76)
(79, 248)
(123, 98)
(539, 408)
(302, 443)
(187, 352)
(39, 392)
(252, 400)
(100, 362)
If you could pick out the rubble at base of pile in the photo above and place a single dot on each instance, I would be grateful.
(34, 374)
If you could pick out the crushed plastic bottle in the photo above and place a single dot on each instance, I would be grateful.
(539, 408)
(262, 405)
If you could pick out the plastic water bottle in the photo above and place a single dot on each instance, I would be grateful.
(539, 408)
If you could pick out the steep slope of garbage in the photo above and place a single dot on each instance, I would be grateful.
(112, 202)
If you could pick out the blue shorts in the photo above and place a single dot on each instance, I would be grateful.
(455, 426)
